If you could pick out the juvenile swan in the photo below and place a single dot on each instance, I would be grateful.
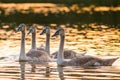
(32, 30)
(68, 54)
(47, 44)
(33, 55)
(84, 61)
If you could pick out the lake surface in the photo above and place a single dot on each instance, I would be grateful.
(100, 43)
(23, 71)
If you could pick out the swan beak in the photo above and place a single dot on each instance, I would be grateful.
(43, 31)
(30, 31)
(55, 34)
(19, 28)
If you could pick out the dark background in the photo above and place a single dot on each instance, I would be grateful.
(107, 18)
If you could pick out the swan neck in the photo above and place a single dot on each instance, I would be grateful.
(34, 40)
(22, 50)
(60, 56)
(47, 45)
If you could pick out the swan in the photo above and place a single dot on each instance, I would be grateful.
(47, 44)
(68, 54)
(32, 30)
(33, 54)
(84, 61)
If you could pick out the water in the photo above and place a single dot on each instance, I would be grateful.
(100, 43)
(23, 71)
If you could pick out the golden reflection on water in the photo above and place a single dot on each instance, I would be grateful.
(22, 71)
(103, 43)
(96, 42)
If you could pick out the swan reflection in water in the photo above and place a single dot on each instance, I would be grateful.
(23, 70)
(61, 73)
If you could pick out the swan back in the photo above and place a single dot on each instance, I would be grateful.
(79, 61)
(68, 54)
(89, 61)
(38, 56)
(42, 47)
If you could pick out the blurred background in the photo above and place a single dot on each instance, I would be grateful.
(92, 23)
(58, 12)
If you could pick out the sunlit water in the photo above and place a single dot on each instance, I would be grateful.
(11, 69)
(103, 43)
(24, 71)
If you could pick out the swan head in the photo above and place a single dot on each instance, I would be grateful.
(21, 27)
(45, 30)
(31, 30)
(60, 32)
